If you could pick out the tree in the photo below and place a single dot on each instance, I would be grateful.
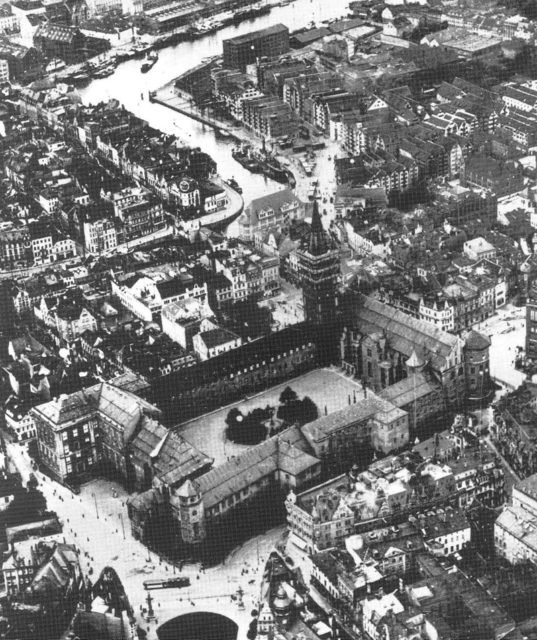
(26, 506)
(296, 411)
(288, 396)
(309, 411)
(233, 417)
(252, 630)
(248, 429)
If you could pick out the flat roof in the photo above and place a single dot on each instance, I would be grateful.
(253, 35)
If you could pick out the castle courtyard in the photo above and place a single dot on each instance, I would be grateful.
(327, 387)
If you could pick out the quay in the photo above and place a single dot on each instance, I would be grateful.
(167, 97)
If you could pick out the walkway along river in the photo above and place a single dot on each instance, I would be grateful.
(128, 85)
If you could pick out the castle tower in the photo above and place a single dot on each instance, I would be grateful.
(192, 515)
(318, 267)
(415, 364)
(529, 295)
(476, 364)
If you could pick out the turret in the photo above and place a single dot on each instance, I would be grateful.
(191, 511)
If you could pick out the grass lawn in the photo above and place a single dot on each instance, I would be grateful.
(326, 387)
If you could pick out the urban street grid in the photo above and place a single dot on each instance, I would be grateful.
(268, 320)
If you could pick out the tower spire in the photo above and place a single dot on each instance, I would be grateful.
(318, 264)
(318, 242)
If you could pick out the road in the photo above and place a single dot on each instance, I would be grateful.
(506, 330)
(93, 522)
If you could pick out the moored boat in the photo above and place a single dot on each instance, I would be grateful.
(150, 62)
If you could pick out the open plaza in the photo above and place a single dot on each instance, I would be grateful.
(329, 389)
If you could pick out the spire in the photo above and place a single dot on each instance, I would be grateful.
(318, 243)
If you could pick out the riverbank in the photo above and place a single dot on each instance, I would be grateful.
(167, 96)
(127, 85)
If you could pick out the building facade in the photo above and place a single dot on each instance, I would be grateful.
(243, 50)
(515, 530)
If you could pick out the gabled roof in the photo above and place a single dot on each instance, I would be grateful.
(403, 332)
(294, 460)
(218, 336)
(273, 201)
(249, 467)
(55, 575)
(120, 406)
(57, 32)
(172, 457)
(365, 409)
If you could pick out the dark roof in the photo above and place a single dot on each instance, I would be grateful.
(258, 462)
(215, 337)
(252, 353)
(274, 200)
(57, 32)
(310, 36)
(404, 333)
(9, 484)
(90, 625)
(254, 35)
(172, 457)
(54, 577)
(120, 406)
(36, 19)
(475, 340)
(344, 25)
(170, 288)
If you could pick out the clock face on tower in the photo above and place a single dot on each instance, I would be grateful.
(184, 186)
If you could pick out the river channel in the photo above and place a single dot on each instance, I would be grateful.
(128, 83)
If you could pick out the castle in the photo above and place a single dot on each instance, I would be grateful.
(410, 371)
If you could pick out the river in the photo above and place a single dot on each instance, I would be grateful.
(127, 84)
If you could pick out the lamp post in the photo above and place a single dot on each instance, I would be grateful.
(122, 525)
(150, 612)
(96, 507)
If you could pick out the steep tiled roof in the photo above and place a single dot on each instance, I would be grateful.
(405, 391)
(120, 406)
(174, 459)
(355, 413)
(249, 467)
(54, 576)
(216, 337)
(403, 332)
(274, 201)
(476, 340)
(56, 32)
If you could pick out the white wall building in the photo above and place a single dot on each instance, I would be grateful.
(515, 530)
(4, 71)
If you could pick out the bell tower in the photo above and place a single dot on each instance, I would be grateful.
(319, 267)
